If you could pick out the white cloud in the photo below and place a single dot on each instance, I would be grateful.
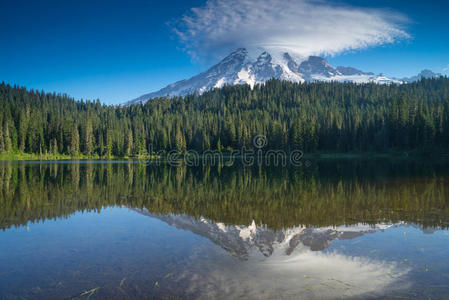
(301, 27)
(310, 275)
(445, 69)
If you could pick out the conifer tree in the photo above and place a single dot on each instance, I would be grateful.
(75, 141)
(322, 116)
(88, 139)
(129, 143)
(2, 145)
(7, 140)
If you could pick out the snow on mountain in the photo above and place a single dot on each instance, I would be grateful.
(427, 74)
(348, 71)
(240, 67)
(233, 69)
(245, 241)
(270, 264)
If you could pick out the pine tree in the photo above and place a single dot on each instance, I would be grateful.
(22, 131)
(2, 145)
(180, 140)
(75, 141)
(297, 136)
(312, 117)
(129, 143)
(7, 140)
(88, 139)
(109, 144)
(142, 148)
(101, 148)
(54, 147)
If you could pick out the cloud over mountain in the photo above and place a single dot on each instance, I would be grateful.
(301, 27)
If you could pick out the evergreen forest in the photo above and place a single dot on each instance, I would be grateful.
(312, 117)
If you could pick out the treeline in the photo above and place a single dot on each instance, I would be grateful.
(311, 117)
(326, 194)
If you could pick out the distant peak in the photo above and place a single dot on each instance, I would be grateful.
(236, 57)
(291, 63)
(428, 73)
(349, 71)
(263, 58)
(239, 51)
(318, 59)
(317, 65)
(287, 56)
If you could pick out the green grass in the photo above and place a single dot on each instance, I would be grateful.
(46, 156)
(18, 156)
(414, 154)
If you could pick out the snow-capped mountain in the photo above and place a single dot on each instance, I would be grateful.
(243, 241)
(240, 67)
(424, 74)
(268, 264)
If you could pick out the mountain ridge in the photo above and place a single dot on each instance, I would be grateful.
(240, 68)
(241, 240)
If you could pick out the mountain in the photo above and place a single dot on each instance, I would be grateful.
(427, 74)
(241, 241)
(240, 67)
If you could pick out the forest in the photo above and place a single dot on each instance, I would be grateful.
(311, 117)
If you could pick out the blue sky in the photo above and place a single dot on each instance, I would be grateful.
(116, 50)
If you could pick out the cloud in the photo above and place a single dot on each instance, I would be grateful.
(446, 68)
(312, 275)
(301, 27)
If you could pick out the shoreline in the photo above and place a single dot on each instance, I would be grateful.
(405, 155)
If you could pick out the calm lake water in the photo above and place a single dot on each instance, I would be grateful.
(334, 229)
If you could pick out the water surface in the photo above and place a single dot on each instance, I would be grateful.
(123, 230)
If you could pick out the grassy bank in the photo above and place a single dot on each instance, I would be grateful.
(413, 154)
(47, 157)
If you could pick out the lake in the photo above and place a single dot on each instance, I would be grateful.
(362, 229)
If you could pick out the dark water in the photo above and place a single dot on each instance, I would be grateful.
(335, 229)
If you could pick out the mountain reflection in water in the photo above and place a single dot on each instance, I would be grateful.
(336, 229)
(290, 257)
(241, 241)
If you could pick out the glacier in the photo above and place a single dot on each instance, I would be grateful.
(241, 67)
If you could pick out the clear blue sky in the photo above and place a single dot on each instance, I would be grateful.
(116, 50)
